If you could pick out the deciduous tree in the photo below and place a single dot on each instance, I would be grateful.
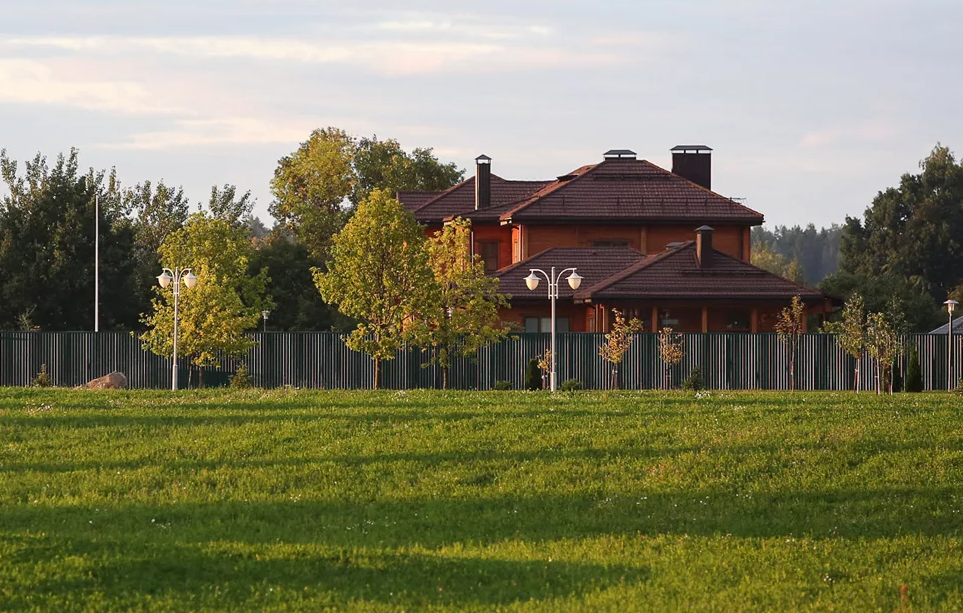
(851, 331)
(379, 275)
(671, 351)
(226, 301)
(463, 315)
(618, 341)
(789, 327)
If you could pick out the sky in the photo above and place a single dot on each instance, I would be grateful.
(811, 106)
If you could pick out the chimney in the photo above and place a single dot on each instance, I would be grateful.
(693, 162)
(704, 246)
(483, 182)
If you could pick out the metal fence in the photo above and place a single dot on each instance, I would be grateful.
(321, 360)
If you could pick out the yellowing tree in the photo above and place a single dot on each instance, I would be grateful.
(463, 314)
(617, 342)
(789, 326)
(225, 303)
(379, 275)
(851, 331)
(672, 351)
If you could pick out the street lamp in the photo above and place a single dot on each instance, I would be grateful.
(265, 314)
(574, 280)
(950, 307)
(177, 275)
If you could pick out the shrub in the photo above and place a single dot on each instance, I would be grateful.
(693, 382)
(914, 374)
(43, 378)
(959, 388)
(503, 386)
(533, 376)
(242, 378)
(571, 385)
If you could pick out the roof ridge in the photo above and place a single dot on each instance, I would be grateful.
(551, 188)
(702, 187)
(634, 268)
(451, 190)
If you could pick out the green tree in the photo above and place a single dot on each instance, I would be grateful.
(463, 315)
(618, 341)
(297, 303)
(913, 232)
(851, 331)
(883, 345)
(922, 313)
(47, 237)
(764, 256)
(379, 275)
(310, 187)
(815, 251)
(316, 187)
(789, 327)
(914, 374)
(225, 303)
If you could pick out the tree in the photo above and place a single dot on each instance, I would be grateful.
(617, 342)
(224, 204)
(463, 317)
(297, 303)
(922, 313)
(816, 252)
(316, 187)
(913, 231)
(47, 238)
(384, 164)
(379, 274)
(851, 331)
(671, 350)
(310, 187)
(789, 326)
(225, 303)
(882, 344)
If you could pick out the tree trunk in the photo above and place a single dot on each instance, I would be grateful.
(377, 372)
(444, 377)
(200, 377)
(615, 378)
(856, 377)
(792, 369)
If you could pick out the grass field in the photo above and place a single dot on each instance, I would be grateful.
(390, 501)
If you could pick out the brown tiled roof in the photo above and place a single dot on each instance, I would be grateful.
(629, 190)
(459, 201)
(676, 275)
(594, 264)
(412, 200)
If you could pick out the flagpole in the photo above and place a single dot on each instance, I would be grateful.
(96, 262)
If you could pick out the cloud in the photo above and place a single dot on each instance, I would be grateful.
(222, 131)
(400, 58)
(26, 81)
(875, 131)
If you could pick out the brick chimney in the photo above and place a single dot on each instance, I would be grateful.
(704, 246)
(483, 182)
(693, 162)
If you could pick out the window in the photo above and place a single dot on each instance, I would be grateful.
(489, 253)
(611, 242)
(738, 321)
(544, 324)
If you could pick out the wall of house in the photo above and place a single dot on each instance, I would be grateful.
(647, 239)
(492, 233)
(576, 313)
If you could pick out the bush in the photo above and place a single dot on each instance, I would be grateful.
(571, 385)
(914, 374)
(533, 376)
(503, 386)
(693, 382)
(959, 388)
(242, 378)
(43, 378)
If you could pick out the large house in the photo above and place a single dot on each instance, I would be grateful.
(658, 245)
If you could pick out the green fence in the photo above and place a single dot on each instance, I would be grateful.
(321, 360)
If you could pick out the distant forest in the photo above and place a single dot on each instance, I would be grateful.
(805, 254)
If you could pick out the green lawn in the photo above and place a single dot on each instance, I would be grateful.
(390, 501)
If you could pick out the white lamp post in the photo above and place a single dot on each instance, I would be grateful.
(950, 307)
(574, 280)
(265, 314)
(177, 275)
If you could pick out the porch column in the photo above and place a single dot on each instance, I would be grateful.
(655, 318)
(805, 320)
(705, 319)
(754, 321)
